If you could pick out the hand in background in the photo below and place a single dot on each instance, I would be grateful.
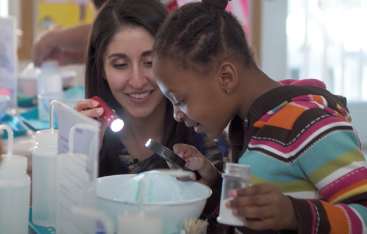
(44, 46)
(66, 45)
(66, 57)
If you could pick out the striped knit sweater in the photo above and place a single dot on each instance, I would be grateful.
(300, 139)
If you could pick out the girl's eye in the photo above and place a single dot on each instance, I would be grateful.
(181, 103)
(149, 63)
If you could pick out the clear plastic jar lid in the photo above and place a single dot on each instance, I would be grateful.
(238, 170)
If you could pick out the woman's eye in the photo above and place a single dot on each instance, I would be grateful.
(119, 65)
(149, 63)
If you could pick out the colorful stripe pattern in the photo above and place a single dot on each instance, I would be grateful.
(315, 158)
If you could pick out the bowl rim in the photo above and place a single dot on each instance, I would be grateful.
(156, 203)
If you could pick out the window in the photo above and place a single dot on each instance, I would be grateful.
(4, 8)
(327, 40)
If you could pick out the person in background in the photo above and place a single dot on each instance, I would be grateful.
(119, 70)
(308, 173)
(65, 45)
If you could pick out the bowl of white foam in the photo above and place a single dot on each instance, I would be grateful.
(163, 195)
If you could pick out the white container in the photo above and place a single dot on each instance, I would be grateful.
(49, 81)
(44, 178)
(27, 79)
(173, 213)
(140, 222)
(15, 187)
(235, 176)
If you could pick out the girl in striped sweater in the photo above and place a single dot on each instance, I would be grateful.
(308, 172)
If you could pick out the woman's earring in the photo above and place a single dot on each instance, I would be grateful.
(228, 91)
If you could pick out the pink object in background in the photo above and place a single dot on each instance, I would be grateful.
(239, 8)
(170, 4)
(5, 92)
(307, 82)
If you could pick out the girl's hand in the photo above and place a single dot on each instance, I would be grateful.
(197, 162)
(264, 207)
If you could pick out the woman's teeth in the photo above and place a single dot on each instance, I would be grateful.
(140, 95)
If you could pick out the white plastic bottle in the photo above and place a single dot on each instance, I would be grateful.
(15, 187)
(44, 178)
(49, 84)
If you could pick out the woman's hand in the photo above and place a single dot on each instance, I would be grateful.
(89, 108)
(264, 207)
(197, 162)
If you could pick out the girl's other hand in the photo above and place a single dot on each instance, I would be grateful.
(196, 161)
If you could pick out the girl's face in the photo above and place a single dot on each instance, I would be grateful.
(128, 70)
(199, 100)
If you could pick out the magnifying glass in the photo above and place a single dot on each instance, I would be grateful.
(166, 153)
(169, 156)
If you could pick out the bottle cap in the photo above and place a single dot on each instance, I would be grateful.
(238, 170)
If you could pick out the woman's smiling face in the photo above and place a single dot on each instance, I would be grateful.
(128, 70)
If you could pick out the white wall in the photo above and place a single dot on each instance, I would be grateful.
(4, 8)
(274, 56)
(273, 60)
(358, 111)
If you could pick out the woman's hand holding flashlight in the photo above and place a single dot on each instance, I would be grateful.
(91, 109)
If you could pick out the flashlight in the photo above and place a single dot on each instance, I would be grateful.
(109, 116)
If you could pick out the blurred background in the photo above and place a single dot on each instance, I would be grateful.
(322, 39)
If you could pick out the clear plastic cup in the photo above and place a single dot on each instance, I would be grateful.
(235, 176)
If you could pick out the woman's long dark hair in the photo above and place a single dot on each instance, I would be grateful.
(114, 15)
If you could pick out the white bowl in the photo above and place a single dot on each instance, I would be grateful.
(173, 213)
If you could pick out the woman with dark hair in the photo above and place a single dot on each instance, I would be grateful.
(119, 70)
